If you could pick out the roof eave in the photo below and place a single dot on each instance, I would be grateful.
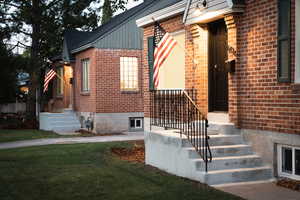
(82, 48)
(162, 14)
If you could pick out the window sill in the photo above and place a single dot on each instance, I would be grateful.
(85, 93)
(130, 91)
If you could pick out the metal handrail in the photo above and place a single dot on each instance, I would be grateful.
(176, 109)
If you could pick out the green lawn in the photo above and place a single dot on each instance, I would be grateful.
(88, 172)
(26, 134)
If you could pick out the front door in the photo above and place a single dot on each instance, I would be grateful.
(218, 76)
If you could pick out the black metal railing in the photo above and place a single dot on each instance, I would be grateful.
(176, 109)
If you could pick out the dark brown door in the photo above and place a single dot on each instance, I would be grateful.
(218, 77)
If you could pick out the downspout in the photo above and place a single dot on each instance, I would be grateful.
(187, 8)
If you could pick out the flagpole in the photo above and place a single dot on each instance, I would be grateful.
(185, 51)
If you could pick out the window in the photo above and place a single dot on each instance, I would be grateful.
(129, 73)
(85, 84)
(284, 46)
(60, 81)
(136, 123)
(289, 161)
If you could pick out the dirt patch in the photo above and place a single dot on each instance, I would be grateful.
(134, 154)
(86, 133)
(289, 183)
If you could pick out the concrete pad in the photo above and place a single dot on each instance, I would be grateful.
(259, 191)
(73, 140)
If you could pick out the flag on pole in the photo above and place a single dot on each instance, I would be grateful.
(48, 77)
(163, 45)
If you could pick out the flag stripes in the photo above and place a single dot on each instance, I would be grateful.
(48, 77)
(164, 43)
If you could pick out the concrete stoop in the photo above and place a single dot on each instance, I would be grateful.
(233, 160)
(66, 121)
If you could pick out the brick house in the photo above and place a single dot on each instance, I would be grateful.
(102, 75)
(242, 59)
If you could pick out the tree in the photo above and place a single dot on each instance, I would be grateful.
(43, 23)
(107, 12)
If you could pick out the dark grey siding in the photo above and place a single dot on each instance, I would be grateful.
(128, 35)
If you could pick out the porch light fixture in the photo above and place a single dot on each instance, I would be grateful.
(201, 4)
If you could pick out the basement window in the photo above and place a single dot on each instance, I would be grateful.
(135, 123)
(289, 161)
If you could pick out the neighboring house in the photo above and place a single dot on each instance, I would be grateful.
(102, 74)
(242, 58)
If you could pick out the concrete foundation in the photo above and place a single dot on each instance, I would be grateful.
(264, 143)
(110, 122)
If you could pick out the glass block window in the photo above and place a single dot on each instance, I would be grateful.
(289, 161)
(85, 73)
(129, 73)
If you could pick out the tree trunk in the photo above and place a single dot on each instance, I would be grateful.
(34, 59)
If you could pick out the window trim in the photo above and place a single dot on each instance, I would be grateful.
(88, 76)
(135, 128)
(280, 38)
(125, 89)
(279, 163)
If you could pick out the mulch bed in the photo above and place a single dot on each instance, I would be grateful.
(86, 133)
(134, 154)
(16, 121)
(289, 183)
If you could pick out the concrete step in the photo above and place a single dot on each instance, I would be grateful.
(230, 162)
(238, 175)
(217, 140)
(223, 151)
(64, 123)
(66, 128)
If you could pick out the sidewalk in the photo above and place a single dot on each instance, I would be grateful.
(74, 140)
(261, 191)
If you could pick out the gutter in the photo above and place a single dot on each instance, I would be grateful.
(165, 13)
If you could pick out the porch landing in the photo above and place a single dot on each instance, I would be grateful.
(233, 159)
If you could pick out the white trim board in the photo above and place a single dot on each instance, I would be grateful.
(162, 14)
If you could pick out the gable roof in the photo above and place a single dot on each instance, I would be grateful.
(114, 22)
(76, 41)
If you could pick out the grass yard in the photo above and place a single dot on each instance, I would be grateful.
(90, 171)
(9, 135)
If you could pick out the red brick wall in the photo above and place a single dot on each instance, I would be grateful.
(85, 102)
(110, 98)
(195, 62)
(105, 95)
(256, 99)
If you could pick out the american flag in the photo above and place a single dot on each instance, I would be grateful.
(48, 77)
(163, 43)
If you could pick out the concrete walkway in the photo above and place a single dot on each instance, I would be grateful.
(261, 191)
(73, 140)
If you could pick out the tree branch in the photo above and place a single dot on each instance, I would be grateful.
(12, 5)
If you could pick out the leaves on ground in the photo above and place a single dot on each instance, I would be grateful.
(289, 183)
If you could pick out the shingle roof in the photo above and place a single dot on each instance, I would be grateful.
(76, 39)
